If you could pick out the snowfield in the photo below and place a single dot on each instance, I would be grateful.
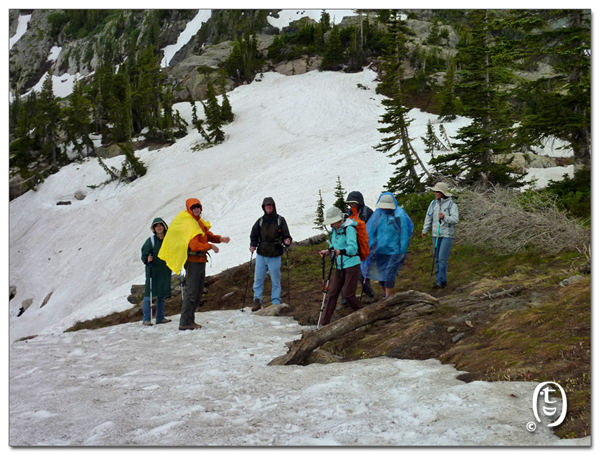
(128, 386)
(134, 386)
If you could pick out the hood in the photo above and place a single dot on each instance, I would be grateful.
(158, 220)
(189, 203)
(356, 196)
(269, 200)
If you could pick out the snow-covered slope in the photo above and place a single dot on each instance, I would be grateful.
(291, 137)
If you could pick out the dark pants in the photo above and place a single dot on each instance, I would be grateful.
(194, 288)
(366, 287)
(344, 281)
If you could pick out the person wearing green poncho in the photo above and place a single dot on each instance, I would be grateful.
(158, 275)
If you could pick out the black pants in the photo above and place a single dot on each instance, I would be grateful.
(194, 288)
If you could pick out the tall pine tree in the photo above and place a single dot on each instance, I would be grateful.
(482, 145)
(397, 143)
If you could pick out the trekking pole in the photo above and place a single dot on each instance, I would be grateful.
(287, 255)
(181, 284)
(247, 280)
(435, 248)
(150, 265)
(325, 285)
(364, 282)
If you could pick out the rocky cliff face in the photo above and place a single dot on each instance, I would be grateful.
(29, 57)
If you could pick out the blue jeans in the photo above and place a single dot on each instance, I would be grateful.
(263, 264)
(160, 309)
(441, 259)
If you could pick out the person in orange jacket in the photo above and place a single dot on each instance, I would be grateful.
(195, 266)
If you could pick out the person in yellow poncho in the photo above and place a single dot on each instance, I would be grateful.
(187, 243)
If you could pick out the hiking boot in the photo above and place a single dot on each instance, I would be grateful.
(193, 326)
(439, 286)
(369, 299)
(257, 305)
(342, 307)
(147, 324)
(163, 321)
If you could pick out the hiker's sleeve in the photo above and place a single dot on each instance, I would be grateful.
(146, 251)
(255, 234)
(428, 219)
(213, 238)
(405, 233)
(196, 244)
(285, 231)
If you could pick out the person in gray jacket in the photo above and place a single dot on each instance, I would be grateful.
(441, 218)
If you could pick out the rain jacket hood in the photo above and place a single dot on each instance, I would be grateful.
(158, 220)
(356, 196)
(389, 235)
(269, 200)
(184, 227)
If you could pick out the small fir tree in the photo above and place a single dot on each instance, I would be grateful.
(320, 215)
(340, 201)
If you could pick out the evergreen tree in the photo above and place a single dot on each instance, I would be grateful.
(212, 112)
(198, 123)
(340, 195)
(448, 105)
(244, 60)
(76, 121)
(480, 156)
(334, 53)
(397, 143)
(46, 121)
(320, 215)
(227, 115)
(557, 104)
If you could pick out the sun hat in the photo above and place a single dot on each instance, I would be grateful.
(442, 188)
(333, 215)
(386, 201)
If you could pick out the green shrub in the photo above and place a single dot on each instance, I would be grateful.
(574, 194)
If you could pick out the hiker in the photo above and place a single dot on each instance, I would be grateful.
(187, 244)
(343, 244)
(442, 217)
(389, 229)
(158, 275)
(359, 211)
(268, 236)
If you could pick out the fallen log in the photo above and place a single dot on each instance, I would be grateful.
(387, 309)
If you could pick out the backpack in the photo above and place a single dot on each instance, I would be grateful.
(362, 238)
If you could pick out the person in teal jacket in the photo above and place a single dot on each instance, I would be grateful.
(158, 275)
(343, 246)
(389, 229)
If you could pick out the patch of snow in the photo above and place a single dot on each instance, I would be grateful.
(190, 31)
(21, 29)
(287, 16)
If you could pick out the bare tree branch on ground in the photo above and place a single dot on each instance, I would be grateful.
(387, 309)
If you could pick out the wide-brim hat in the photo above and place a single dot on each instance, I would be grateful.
(333, 215)
(442, 188)
(386, 201)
